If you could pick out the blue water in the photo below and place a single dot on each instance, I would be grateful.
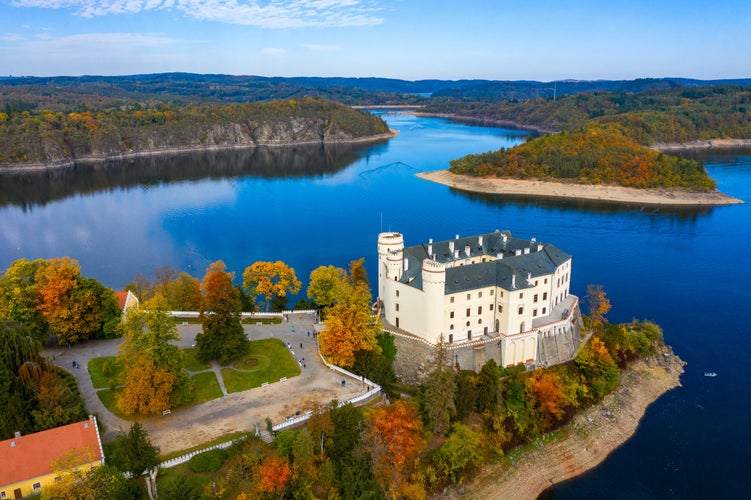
(688, 270)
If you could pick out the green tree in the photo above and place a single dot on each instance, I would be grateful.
(270, 279)
(440, 392)
(223, 337)
(17, 348)
(461, 452)
(133, 451)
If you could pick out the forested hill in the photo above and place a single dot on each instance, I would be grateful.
(53, 136)
(672, 115)
(598, 153)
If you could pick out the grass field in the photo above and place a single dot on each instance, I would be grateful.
(105, 372)
(206, 388)
(281, 364)
(191, 363)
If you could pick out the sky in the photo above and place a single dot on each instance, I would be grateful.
(406, 39)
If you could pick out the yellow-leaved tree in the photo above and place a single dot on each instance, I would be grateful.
(270, 279)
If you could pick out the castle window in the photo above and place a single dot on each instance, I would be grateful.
(2, 494)
(500, 308)
(536, 282)
(544, 309)
(521, 295)
(545, 296)
(479, 321)
(397, 322)
(467, 323)
(36, 486)
(534, 299)
(491, 307)
(534, 312)
(397, 307)
(545, 282)
(451, 337)
(468, 312)
(501, 293)
(521, 309)
(469, 334)
(451, 299)
(451, 315)
(397, 293)
(479, 295)
(491, 292)
(479, 310)
(469, 296)
(451, 327)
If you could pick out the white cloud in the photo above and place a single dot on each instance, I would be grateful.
(315, 47)
(259, 13)
(11, 37)
(274, 51)
(100, 42)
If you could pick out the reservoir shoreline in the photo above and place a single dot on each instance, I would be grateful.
(594, 192)
(69, 162)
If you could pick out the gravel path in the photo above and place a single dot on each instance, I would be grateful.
(184, 428)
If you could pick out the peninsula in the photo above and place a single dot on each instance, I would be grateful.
(551, 189)
(588, 440)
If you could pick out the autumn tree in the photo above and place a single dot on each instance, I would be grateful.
(223, 337)
(154, 379)
(550, 395)
(19, 297)
(274, 473)
(270, 279)
(325, 285)
(599, 304)
(350, 326)
(394, 438)
(439, 393)
(598, 369)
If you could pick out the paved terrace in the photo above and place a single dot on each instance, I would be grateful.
(184, 428)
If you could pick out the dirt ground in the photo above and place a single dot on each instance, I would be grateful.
(242, 411)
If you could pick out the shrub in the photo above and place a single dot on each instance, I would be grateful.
(208, 461)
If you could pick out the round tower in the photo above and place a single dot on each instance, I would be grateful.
(390, 263)
(434, 288)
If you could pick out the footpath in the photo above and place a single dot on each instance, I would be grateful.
(316, 386)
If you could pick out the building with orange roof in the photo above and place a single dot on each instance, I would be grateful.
(126, 300)
(30, 463)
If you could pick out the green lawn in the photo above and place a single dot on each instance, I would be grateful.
(206, 388)
(98, 367)
(281, 364)
(192, 363)
(107, 397)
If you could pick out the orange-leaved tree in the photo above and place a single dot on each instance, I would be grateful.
(270, 279)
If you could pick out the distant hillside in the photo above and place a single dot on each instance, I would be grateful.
(669, 115)
(48, 137)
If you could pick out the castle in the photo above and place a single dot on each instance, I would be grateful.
(488, 296)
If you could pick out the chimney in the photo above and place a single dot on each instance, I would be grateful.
(430, 248)
(406, 264)
(456, 254)
(430, 240)
(518, 251)
(539, 247)
(529, 276)
(513, 281)
(451, 247)
(457, 236)
(499, 255)
(467, 250)
(479, 241)
(18, 434)
(533, 240)
(505, 238)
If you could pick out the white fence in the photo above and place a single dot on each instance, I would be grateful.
(172, 462)
(245, 315)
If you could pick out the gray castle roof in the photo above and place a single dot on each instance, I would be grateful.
(497, 272)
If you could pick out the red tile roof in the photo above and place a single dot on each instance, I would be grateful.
(32, 455)
(122, 297)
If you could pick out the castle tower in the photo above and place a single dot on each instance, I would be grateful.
(390, 263)
(433, 286)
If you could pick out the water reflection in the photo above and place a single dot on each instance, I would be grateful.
(38, 188)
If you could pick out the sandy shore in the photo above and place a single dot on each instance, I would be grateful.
(699, 145)
(548, 189)
(587, 440)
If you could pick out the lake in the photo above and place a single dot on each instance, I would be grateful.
(686, 269)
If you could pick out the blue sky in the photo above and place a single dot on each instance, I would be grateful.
(408, 39)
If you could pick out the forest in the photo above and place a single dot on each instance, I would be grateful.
(50, 136)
